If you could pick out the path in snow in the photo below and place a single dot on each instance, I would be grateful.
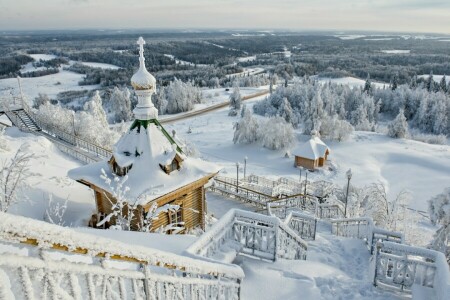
(336, 268)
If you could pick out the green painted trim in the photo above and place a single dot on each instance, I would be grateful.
(144, 123)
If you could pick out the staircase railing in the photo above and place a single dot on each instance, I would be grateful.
(364, 228)
(250, 233)
(399, 267)
(304, 225)
(60, 263)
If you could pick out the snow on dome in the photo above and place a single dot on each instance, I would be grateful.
(142, 79)
(312, 149)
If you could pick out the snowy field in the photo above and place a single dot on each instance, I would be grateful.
(49, 84)
(100, 65)
(420, 168)
(396, 51)
(436, 78)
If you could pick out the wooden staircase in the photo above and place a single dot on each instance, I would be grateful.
(21, 119)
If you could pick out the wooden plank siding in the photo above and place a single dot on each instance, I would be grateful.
(306, 163)
(190, 197)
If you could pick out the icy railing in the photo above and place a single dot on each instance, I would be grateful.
(304, 225)
(250, 233)
(230, 187)
(364, 228)
(281, 207)
(67, 137)
(103, 266)
(400, 267)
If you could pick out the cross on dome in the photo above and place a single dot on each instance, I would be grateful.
(144, 84)
(141, 43)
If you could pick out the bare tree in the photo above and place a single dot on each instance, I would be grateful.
(55, 211)
(12, 178)
(386, 213)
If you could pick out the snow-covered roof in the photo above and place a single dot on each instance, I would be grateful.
(145, 148)
(312, 149)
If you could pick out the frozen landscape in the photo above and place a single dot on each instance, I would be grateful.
(166, 151)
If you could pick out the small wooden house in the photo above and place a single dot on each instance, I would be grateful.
(312, 154)
(157, 170)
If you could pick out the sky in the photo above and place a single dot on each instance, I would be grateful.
(354, 15)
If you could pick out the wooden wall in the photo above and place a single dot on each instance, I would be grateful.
(306, 163)
(190, 197)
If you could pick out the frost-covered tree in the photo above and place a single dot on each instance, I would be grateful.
(246, 131)
(55, 211)
(443, 85)
(385, 212)
(235, 98)
(398, 128)
(335, 129)
(368, 85)
(180, 96)
(394, 83)
(41, 99)
(121, 105)
(276, 134)
(95, 108)
(285, 111)
(123, 210)
(13, 175)
(430, 82)
(439, 210)
(360, 119)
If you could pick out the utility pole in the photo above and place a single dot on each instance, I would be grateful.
(245, 166)
(237, 177)
(349, 176)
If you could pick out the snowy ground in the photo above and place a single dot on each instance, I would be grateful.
(436, 78)
(50, 166)
(421, 168)
(49, 84)
(396, 51)
(100, 65)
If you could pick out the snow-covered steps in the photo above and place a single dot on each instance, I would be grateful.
(336, 268)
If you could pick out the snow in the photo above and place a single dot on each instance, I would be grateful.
(349, 36)
(246, 71)
(51, 165)
(396, 51)
(175, 244)
(49, 84)
(436, 78)
(183, 62)
(17, 228)
(45, 57)
(100, 65)
(247, 58)
(398, 163)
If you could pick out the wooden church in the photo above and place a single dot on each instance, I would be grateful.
(158, 172)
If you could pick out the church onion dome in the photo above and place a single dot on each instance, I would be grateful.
(142, 79)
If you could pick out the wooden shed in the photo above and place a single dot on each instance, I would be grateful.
(311, 154)
(151, 164)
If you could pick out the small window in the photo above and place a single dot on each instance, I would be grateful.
(176, 217)
(174, 165)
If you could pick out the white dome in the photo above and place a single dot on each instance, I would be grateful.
(142, 79)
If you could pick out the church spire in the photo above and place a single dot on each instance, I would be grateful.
(144, 85)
